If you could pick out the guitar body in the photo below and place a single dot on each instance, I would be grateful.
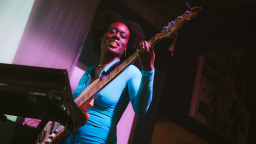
(51, 136)
(60, 137)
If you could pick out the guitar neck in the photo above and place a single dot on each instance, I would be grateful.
(83, 97)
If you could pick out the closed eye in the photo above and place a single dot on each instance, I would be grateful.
(112, 31)
(123, 36)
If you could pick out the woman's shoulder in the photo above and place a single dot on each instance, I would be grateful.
(132, 70)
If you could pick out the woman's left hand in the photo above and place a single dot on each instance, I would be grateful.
(146, 56)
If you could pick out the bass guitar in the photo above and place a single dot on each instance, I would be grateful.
(54, 132)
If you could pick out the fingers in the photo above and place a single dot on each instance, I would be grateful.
(146, 56)
(144, 46)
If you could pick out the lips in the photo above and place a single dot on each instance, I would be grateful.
(113, 43)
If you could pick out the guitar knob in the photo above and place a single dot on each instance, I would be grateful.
(165, 28)
(51, 137)
(171, 23)
(55, 131)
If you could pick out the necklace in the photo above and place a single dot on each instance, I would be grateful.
(101, 65)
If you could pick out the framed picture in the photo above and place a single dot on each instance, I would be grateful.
(223, 93)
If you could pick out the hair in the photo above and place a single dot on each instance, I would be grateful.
(103, 21)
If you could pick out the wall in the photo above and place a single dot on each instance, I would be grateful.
(54, 32)
(175, 104)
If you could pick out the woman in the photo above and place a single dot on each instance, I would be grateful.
(114, 40)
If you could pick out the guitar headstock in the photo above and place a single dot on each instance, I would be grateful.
(175, 25)
(193, 8)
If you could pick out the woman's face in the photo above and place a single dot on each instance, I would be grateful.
(115, 40)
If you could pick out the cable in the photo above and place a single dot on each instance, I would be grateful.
(65, 103)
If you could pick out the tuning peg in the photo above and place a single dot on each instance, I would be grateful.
(187, 12)
(171, 23)
(179, 17)
(165, 28)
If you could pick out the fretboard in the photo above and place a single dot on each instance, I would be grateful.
(103, 82)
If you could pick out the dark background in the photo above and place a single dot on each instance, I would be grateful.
(224, 29)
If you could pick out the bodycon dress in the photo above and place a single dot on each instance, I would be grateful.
(110, 103)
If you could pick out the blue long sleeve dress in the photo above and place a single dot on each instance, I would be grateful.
(110, 103)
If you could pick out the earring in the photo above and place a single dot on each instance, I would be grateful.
(125, 53)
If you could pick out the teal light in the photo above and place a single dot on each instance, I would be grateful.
(13, 18)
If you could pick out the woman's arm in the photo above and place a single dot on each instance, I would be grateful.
(140, 88)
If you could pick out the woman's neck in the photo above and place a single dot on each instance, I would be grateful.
(104, 61)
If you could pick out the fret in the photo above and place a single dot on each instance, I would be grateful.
(117, 70)
(151, 41)
(121, 67)
(93, 90)
(100, 84)
(88, 95)
(78, 103)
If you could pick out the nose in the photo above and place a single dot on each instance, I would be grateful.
(117, 35)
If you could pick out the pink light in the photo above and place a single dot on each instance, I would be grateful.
(124, 126)
(75, 77)
(31, 122)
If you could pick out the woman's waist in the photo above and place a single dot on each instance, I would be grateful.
(102, 115)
